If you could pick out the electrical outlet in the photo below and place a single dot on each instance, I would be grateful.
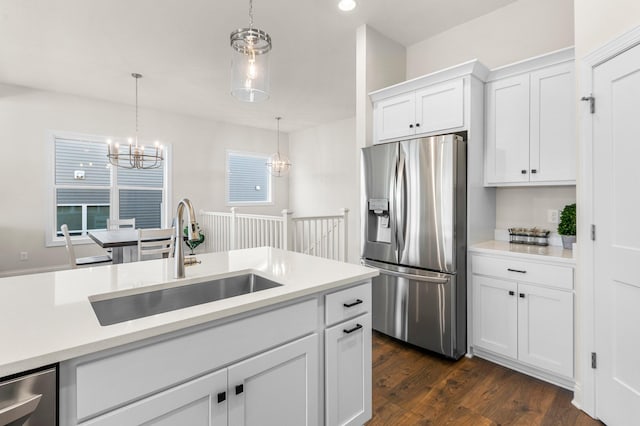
(553, 216)
(24, 255)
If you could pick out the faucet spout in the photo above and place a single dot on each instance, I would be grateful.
(178, 270)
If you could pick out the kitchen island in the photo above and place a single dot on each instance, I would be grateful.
(232, 359)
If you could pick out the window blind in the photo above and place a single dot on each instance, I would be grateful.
(248, 179)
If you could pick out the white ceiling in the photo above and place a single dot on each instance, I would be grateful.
(90, 48)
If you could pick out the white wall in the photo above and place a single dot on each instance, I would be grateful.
(323, 176)
(26, 115)
(517, 31)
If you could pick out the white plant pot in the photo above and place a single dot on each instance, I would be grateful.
(567, 241)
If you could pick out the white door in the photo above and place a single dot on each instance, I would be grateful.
(348, 372)
(616, 175)
(495, 315)
(440, 107)
(395, 117)
(507, 118)
(553, 124)
(278, 387)
(200, 402)
(545, 328)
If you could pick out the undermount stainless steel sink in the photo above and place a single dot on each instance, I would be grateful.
(125, 308)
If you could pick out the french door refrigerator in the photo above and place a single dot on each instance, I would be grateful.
(414, 232)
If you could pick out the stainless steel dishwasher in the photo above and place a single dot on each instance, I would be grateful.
(29, 399)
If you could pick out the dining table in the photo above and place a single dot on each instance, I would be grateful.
(117, 240)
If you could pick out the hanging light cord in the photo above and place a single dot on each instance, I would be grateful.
(278, 134)
(251, 14)
(136, 78)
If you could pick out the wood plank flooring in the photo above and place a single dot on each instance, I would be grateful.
(415, 387)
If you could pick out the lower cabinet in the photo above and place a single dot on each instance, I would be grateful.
(529, 323)
(256, 391)
(348, 372)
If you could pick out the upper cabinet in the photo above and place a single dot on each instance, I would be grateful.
(437, 107)
(432, 104)
(530, 122)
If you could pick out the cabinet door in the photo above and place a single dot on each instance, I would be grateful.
(194, 403)
(348, 372)
(553, 122)
(440, 107)
(395, 117)
(545, 335)
(278, 387)
(507, 119)
(495, 315)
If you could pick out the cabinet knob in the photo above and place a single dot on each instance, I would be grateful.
(411, 126)
(239, 389)
(522, 295)
(534, 170)
(222, 396)
(511, 292)
(524, 172)
(417, 124)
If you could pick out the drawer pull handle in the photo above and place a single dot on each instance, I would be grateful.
(520, 271)
(351, 305)
(511, 293)
(239, 389)
(522, 295)
(357, 327)
(222, 396)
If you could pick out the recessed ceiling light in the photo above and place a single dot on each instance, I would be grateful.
(346, 5)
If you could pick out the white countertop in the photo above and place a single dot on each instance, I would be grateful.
(549, 253)
(47, 318)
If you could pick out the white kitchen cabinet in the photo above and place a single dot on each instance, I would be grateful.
(348, 372)
(279, 387)
(523, 316)
(199, 402)
(435, 108)
(530, 123)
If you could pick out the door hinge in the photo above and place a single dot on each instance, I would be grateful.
(593, 232)
(592, 103)
(594, 361)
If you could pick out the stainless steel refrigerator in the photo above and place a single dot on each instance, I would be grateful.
(414, 232)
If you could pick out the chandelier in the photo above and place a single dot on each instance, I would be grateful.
(250, 62)
(278, 164)
(136, 157)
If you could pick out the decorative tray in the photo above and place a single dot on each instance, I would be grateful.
(531, 236)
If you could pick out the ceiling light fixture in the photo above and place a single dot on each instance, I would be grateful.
(136, 158)
(347, 5)
(250, 62)
(278, 164)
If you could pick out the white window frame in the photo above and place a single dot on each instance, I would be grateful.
(261, 155)
(52, 240)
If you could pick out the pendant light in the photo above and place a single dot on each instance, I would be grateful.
(136, 157)
(250, 62)
(278, 164)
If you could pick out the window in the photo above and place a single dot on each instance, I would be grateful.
(248, 178)
(87, 190)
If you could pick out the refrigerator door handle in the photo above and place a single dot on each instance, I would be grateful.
(436, 280)
(400, 205)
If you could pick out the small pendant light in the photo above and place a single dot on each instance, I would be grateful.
(278, 164)
(250, 62)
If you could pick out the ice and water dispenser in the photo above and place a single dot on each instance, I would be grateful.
(378, 224)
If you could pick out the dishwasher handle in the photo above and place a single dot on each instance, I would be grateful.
(19, 410)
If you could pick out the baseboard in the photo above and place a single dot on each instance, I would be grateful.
(561, 381)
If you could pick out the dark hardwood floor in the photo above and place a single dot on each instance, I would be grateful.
(415, 387)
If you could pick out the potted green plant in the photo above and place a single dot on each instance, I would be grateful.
(567, 226)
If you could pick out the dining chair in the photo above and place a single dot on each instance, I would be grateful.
(80, 261)
(121, 223)
(152, 242)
